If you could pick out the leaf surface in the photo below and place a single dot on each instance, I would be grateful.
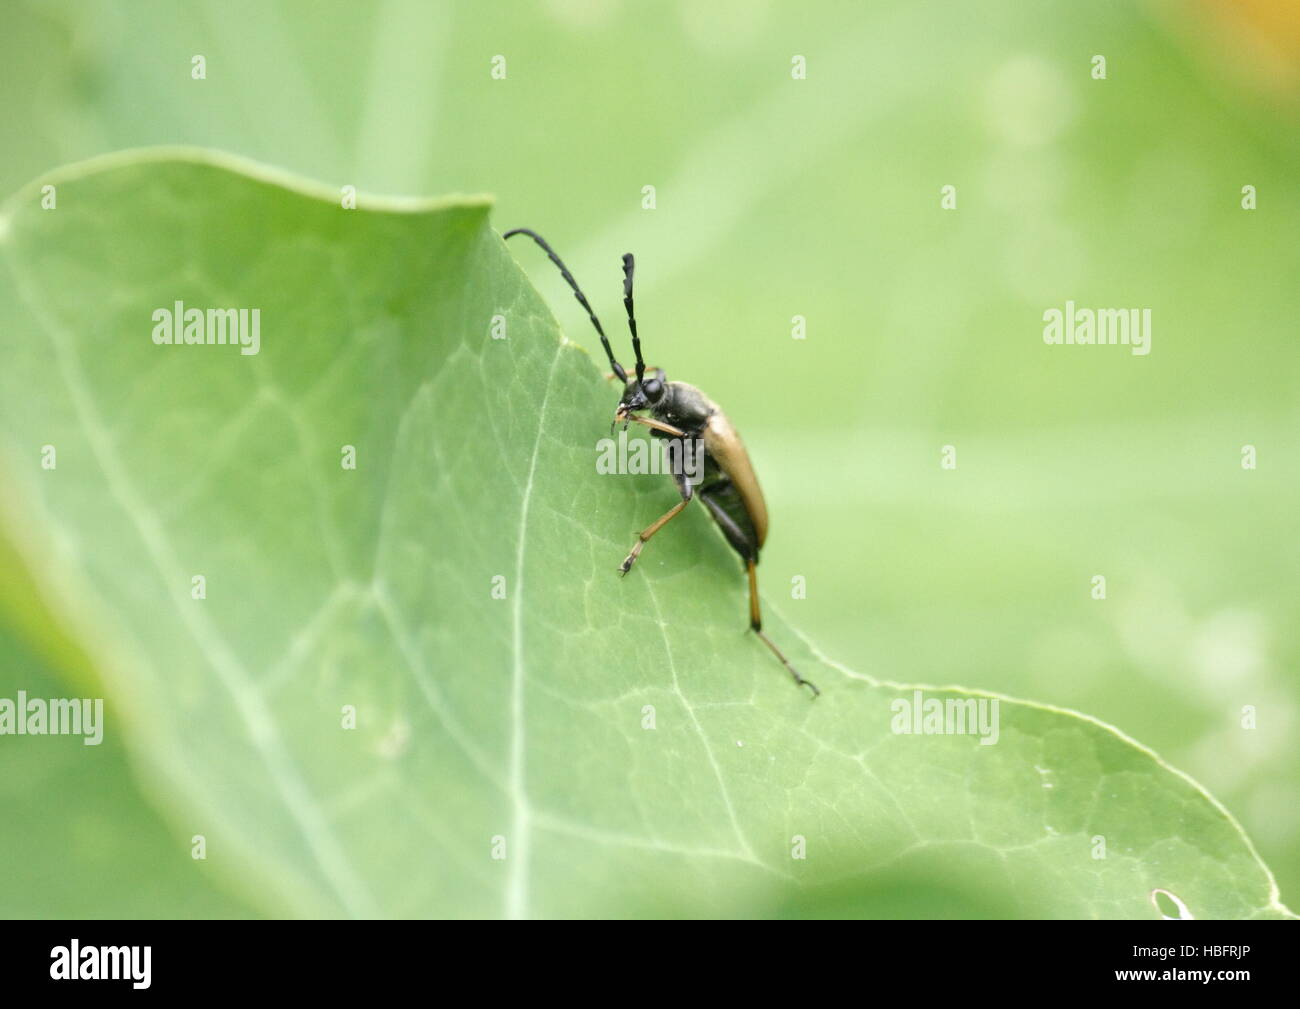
(485, 726)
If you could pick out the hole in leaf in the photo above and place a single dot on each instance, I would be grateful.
(1170, 906)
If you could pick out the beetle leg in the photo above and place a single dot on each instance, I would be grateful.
(658, 425)
(649, 531)
(756, 624)
(609, 374)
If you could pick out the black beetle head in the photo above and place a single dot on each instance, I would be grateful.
(647, 394)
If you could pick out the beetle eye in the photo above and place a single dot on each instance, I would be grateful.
(653, 388)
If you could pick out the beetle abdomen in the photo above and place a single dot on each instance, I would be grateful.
(722, 441)
(740, 508)
(727, 507)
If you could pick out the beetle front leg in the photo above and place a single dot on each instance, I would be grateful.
(650, 422)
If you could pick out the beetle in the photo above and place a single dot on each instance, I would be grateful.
(689, 422)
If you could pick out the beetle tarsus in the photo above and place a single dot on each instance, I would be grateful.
(799, 681)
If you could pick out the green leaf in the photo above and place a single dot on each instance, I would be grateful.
(484, 725)
(86, 841)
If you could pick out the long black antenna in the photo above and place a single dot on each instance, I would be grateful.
(582, 300)
(629, 267)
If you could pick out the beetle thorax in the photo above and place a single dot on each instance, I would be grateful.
(684, 406)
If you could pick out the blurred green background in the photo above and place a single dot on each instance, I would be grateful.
(778, 197)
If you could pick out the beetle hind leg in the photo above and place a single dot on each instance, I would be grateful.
(756, 625)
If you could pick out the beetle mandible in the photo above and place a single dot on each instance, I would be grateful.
(684, 417)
